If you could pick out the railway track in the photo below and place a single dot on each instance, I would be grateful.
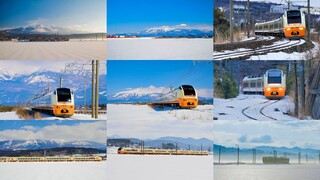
(253, 117)
(279, 45)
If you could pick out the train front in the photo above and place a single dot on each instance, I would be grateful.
(294, 24)
(63, 102)
(274, 84)
(189, 99)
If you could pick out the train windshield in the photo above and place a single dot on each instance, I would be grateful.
(294, 17)
(188, 90)
(274, 76)
(64, 94)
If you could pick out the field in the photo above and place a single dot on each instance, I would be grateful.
(70, 50)
(159, 49)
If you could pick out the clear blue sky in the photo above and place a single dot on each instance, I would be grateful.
(81, 14)
(137, 15)
(134, 74)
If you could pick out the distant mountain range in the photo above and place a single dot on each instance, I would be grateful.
(41, 30)
(181, 30)
(144, 95)
(18, 89)
(183, 143)
(10, 145)
(266, 149)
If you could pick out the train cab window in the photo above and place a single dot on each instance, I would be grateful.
(274, 76)
(188, 90)
(252, 84)
(64, 94)
(294, 16)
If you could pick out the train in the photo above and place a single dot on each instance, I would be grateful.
(271, 84)
(52, 159)
(185, 96)
(150, 151)
(291, 25)
(59, 102)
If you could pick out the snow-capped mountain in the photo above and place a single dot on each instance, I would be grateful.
(181, 30)
(18, 89)
(34, 29)
(45, 144)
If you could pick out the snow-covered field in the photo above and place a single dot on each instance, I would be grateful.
(54, 171)
(288, 56)
(159, 167)
(71, 50)
(231, 109)
(14, 116)
(159, 49)
(141, 112)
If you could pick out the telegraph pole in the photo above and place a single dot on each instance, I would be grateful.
(302, 89)
(309, 22)
(248, 18)
(220, 156)
(93, 91)
(231, 21)
(238, 154)
(296, 102)
(97, 90)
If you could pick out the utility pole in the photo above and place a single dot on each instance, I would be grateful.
(220, 156)
(309, 22)
(299, 157)
(97, 90)
(93, 91)
(231, 21)
(60, 82)
(302, 89)
(248, 18)
(296, 102)
(238, 154)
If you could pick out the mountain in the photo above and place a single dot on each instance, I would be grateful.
(33, 29)
(144, 95)
(183, 143)
(18, 89)
(46, 144)
(181, 30)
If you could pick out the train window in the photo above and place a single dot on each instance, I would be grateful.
(64, 94)
(252, 84)
(294, 16)
(274, 76)
(245, 84)
(258, 84)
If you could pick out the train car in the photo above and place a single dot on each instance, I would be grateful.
(185, 96)
(272, 84)
(291, 25)
(59, 102)
(150, 151)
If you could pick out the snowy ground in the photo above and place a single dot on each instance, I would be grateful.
(232, 109)
(160, 167)
(288, 56)
(71, 50)
(140, 112)
(159, 49)
(54, 171)
(14, 116)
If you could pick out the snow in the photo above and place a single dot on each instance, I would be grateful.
(70, 50)
(288, 56)
(159, 167)
(8, 116)
(142, 112)
(36, 79)
(54, 171)
(159, 49)
(231, 109)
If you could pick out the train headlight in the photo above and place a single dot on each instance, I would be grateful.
(268, 89)
(280, 89)
(300, 28)
(288, 29)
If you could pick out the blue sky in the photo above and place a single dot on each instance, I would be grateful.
(80, 15)
(53, 130)
(134, 74)
(132, 16)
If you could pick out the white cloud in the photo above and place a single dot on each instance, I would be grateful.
(207, 93)
(93, 131)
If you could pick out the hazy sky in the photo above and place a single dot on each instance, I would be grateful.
(30, 66)
(132, 16)
(54, 130)
(314, 3)
(78, 15)
(248, 134)
(134, 74)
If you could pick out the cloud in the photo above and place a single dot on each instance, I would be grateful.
(262, 139)
(36, 21)
(206, 93)
(82, 131)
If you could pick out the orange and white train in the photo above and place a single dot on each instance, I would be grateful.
(291, 25)
(59, 102)
(272, 84)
